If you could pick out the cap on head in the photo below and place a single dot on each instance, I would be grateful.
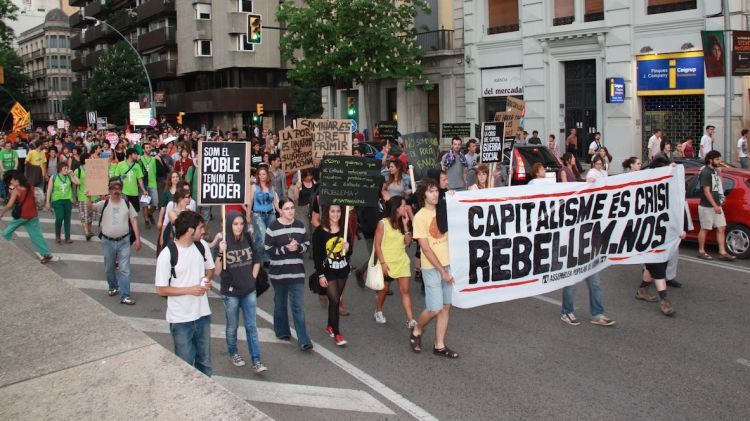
(115, 182)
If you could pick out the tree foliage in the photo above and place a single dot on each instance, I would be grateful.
(358, 41)
(16, 83)
(117, 79)
(8, 12)
(306, 100)
(75, 107)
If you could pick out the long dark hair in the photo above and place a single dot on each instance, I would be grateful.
(325, 219)
(391, 212)
(566, 161)
(18, 176)
(399, 176)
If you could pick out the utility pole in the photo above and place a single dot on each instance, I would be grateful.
(728, 94)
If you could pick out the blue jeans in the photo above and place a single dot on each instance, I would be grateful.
(192, 343)
(117, 251)
(744, 163)
(595, 297)
(296, 294)
(232, 306)
(261, 221)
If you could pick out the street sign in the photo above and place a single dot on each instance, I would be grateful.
(354, 126)
(152, 122)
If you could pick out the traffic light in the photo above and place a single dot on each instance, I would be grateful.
(253, 28)
(351, 107)
(179, 117)
(259, 109)
(256, 118)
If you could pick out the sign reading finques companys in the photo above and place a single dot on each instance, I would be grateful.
(296, 149)
(502, 82)
(329, 136)
(224, 172)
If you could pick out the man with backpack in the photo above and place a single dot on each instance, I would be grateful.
(131, 175)
(183, 274)
(148, 167)
(118, 230)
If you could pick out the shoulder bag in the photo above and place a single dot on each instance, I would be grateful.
(374, 277)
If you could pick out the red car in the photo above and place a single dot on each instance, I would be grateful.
(736, 208)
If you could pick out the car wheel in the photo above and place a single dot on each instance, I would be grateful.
(738, 240)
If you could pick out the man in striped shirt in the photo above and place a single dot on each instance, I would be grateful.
(286, 242)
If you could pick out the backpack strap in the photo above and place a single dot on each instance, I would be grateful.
(101, 215)
(174, 256)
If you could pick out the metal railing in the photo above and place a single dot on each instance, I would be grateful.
(441, 39)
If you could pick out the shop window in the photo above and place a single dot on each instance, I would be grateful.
(202, 11)
(502, 16)
(243, 45)
(564, 12)
(203, 48)
(593, 11)
(666, 6)
(245, 6)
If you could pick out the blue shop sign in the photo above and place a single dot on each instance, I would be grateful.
(671, 74)
(615, 90)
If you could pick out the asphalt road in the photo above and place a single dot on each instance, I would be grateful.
(518, 360)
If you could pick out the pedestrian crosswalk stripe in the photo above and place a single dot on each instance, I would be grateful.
(304, 395)
(135, 287)
(218, 331)
(73, 257)
(45, 220)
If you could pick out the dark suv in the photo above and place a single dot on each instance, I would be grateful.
(525, 156)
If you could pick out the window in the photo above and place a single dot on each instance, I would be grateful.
(203, 48)
(503, 16)
(243, 45)
(245, 6)
(564, 12)
(666, 6)
(202, 11)
(54, 84)
(594, 10)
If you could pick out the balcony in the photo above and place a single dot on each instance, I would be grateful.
(75, 42)
(76, 20)
(37, 54)
(95, 8)
(76, 3)
(76, 64)
(38, 73)
(564, 20)
(122, 20)
(672, 6)
(39, 94)
(162, 37)
(434, 41)
(154, 9)
(162, 69)
(91, 59)
(503, 29)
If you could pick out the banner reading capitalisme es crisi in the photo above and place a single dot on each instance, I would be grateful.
(522, 241)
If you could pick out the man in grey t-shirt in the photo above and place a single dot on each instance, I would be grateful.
(455, 166)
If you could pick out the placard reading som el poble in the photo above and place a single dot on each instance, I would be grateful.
(224, 173)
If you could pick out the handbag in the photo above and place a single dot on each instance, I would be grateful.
(313, 281)
(16, 212)
(261, 282)
(374, 278)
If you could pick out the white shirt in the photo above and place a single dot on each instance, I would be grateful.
(171, 205)
(742, 146)
(594, 173)
(654, 146)
(707, 145)
(593, 146)
(190, 269)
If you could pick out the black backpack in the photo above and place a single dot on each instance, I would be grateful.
(162, 171)
(174, 255)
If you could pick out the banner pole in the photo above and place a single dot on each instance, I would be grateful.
(491, 177)
(346, 222)
(224, 234)
(299, 176)
(411, 177)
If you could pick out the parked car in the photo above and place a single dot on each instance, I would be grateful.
(525, 156)
(697, 163)
(736, 208)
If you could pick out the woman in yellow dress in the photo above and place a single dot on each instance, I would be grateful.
(392, 237)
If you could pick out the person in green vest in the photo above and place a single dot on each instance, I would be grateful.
(148, 166)
(60, 200)
(85, 209)
(131, 175)
(8, 162)
(192, 177)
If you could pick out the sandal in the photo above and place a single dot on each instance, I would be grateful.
(727, 257)
(415, 342)
(445, 352)
(705, 256)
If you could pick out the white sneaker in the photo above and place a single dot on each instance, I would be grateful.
(411, 324)
(379, 317)
(259, 367)
(237, 360)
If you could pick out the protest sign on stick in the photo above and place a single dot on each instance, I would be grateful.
(422, 148)
(223, 173)
(350, 181)
(97, 176)
(296, 149)
(387, 130)
(522, 241)
(330, 137)
(492, 142)
(450, 130)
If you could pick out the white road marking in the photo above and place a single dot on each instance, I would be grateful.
(548, 300)
(218, 331)
(743, 362)
(51, 236)
(101, 285)
(303, 395)
(46, 220)
(727, 266)
(72, 257)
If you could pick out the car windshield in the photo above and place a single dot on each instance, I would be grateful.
(534, 155)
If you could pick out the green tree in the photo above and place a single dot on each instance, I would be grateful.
(306, 100)
(75, 107)
(116, 80)
(8, 12)
(359, 41)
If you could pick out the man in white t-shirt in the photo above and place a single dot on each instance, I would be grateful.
(742, 149)
(707, 142)
(186, 288)
(654, 144)
(595, 145)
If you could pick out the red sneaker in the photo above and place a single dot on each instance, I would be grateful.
(340, 341)
(329, 331)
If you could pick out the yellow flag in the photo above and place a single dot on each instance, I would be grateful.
(21, 117)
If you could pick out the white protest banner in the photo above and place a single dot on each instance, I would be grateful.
(139, 116)
(521, 241)
(134, 138)
(224, 172)
(296, 149)
(330, 137)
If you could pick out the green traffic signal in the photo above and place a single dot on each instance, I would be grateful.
(351, 112)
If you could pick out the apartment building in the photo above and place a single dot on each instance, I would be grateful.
(46, 54)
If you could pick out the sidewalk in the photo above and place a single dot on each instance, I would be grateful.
(64, 356)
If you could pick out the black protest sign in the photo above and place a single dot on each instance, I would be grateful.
(422, 148)
(508, 144)
(296, 149)
(350, 181)
(450, 130)
(492, 142)
(387, 130)
(224, 173)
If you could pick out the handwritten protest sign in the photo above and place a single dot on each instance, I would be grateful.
(97, 176)
(387, 130)
(224, 173)
(492, 142)
(330, 137)
(350, 181)
(296, 149)
(450, 130)
(422, 148)
(522, 241)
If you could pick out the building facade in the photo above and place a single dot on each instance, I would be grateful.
(196, 55)
(31, 13)
(46, 54)
(558, 54)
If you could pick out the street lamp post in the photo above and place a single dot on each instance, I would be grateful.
(135, 50)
